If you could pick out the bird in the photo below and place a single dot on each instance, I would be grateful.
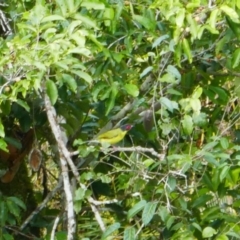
(115, 135)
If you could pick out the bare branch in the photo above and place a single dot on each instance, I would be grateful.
(43, 204)
(63, 153)
(65, 158)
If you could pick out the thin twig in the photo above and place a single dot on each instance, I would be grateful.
(54, 228)
(43, 204)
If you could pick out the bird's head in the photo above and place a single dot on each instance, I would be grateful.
(126, 127)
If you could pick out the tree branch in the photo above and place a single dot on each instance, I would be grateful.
(65, 158)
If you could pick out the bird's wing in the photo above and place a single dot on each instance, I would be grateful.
(110, 134)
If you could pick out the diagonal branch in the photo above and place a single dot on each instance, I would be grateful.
(65, 158)
(51, 113)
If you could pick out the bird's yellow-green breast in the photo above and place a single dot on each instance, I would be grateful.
(115, 135)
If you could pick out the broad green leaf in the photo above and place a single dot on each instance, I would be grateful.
(193, 26)
(170, 105)
(70, 81)
(63, 6)
(208, 232)
(224, 173)
(93, 4)
(196, 105)
(80, 50)
(187, 124)
(197, 92)
(146, 22)
(224, 143)
(79, 194)
(231, 13)
(222, 237)
(170, 222)
(70, 5)
(213, 18)
(3, 145)
(2, 132)
(13, 208)
(174, 71)
(136, 209)
(79, 39)
(18, 202)
(187, 50)
(52, 18)
(168, 78)
(148, 212)
(235, 27)
(52, 91)
(111, 101)
(146, 71)
(83, 75)
(180, 17)
(23, 104)
(129, 233)
(178, 54)
(159, 40)
(105, 179)
(132, 89)
(236, 58)
(200, 201)
(109, 16)
(86, 20)
(112, 228)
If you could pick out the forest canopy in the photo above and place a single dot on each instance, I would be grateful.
(119, 119)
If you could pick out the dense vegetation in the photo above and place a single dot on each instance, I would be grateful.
(71, 69)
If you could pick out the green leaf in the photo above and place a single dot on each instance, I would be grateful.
(2, 132)
(132, 89)
(187, 50)
(93, 4)
(224, 143)
(236, 58)
(79, 194)
(146, 71)
(111, 100)
(3, 145)
(224, 173)
(197, 92)
(112, 228)
(52, 91)
(129, 233)
(146, 22)
(193, 26)
(148, 212)
(136, 209)
(232, 14)
(23, 104)
(6, 107)
(180, 17)
(52, 18)
(70, 81)
(18, 202)
(174, 71)
(170, 105)
(213, 18)
(187, 124)
(86, 20)
(62, 5)
(83, 75)
(200, 201)
(208, 232)
(196, 105)
(159, 40)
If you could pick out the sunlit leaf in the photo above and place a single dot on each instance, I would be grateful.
(52, 91)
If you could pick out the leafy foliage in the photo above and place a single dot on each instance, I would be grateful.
(168, 67)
